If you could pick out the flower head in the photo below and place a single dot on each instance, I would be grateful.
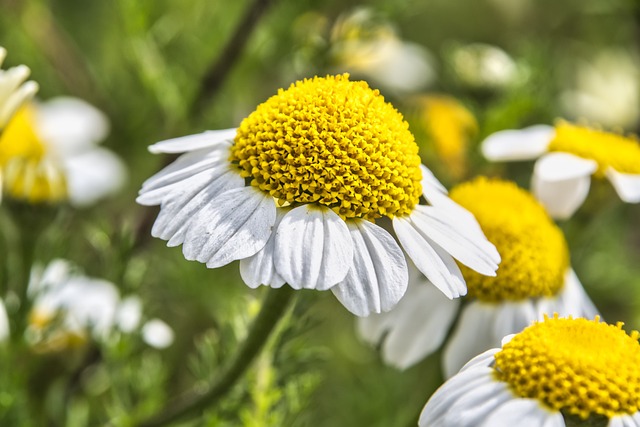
(562, 176)
(560, 367)
(300, 190)
(534, 279)
(14, 91)
(48, 154)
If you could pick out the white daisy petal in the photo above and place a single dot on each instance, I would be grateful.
(510, 318)
(437, 266)
(624, 421)
(523, 413)
(525, 144)
(378, 278)
(259, 269)
(15, 99)
(234, 225)
(441, 402)
(183, 144)
(92, 175)
(71, 124)
(422, 319)
(571, 301)
(478, 405)
(198, 191)
(313, 248)
(476, 253)
(558, 167)
(561, 183)
(627, 185)
(430, 182)
(482, 360)
(472, 335)
(155, 189)
(4, 322)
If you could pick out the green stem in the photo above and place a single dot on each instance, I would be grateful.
(273, 308)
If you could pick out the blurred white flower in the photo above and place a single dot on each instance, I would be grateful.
(68, 307)
(484, 66)
(49, 152)
(82, 304)
(14, 91)
(129, 314)
(157, 334)
(371, 49)
(607, 90)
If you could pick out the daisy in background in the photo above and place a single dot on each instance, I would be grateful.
(556, 373)
(367, 46)
(569, 154)
(14, 91)
(313, 189)
(534, 279)
(69, 307)
(49, 153)
(450, 127)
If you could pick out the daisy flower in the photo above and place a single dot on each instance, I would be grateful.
(555, 373)
(534, 279)
(568, 155)
(49, 153)
(14, 91)
(68, 307)
(309, 191)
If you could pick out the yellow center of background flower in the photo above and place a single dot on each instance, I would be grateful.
(333, 142)
(607, 149)
(27, 171)
(578, 366)
(534, 253)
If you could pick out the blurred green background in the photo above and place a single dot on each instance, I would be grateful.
(142, 62)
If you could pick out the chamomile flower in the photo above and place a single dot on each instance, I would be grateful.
(569, 155)
(49, 154)
(69, 307)
(14, 91)
(302, 192)
(556, 370)
(534, 279)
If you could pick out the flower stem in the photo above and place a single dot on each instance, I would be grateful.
(273, 308)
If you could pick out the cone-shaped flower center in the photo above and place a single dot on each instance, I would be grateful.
(28, 172)
(334, 142)
(534, 252)
(607, 149)
(578, 366)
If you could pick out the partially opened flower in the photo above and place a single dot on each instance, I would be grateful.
(534, 279)
(569, 155)
(14, 91)
(49, 153)
(301, 193)
(556, 373)
(371, 48)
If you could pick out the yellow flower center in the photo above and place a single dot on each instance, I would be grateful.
(607, 149)
(333, 142)
(578, 366)
(28, 172)
(534, 253)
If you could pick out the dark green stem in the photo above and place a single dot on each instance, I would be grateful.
(273, 308)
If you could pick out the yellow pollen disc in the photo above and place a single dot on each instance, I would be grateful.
(535, 256)
(607, 149)
(27, 171)
(333, 142)
(578, 366)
